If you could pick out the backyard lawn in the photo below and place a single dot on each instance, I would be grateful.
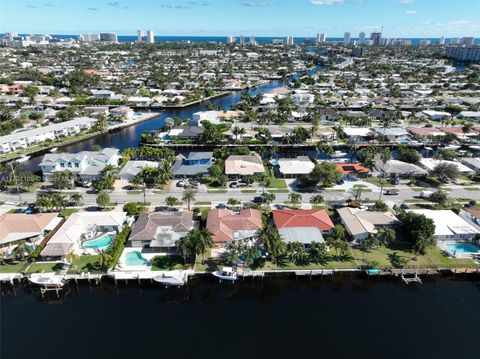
(40, 267)
(12, 267)
(162, 263)
(86, 264)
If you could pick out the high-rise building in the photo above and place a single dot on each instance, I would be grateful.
(454, 41)
(469, 41)
(231, 40)
(361, 38)
(346, 38)
(150, 37)
(89, 37)
(424, 42)
(252, 40)
(441, 40)
(463, 53)
(289, 41)
(376, 37)
(108, 36)
(242, 40)
(323, 38)
(140, 36)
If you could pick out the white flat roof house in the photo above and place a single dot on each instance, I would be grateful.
(431, 163)
(132, 168)
(27, 138)
(293, 167)
(448, 225)
(80, 227)
(85, 163)
(436, 115)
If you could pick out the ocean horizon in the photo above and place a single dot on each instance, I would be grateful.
(258, 39)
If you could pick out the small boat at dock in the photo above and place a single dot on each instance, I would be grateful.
(23, 159)
(176, 279)
(53, 149)
(226, 273)
(48, 280)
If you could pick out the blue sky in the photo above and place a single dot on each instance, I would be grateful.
(400, 18)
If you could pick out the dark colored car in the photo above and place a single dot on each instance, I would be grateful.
(221, 206)
(258, 200)
(391, 192)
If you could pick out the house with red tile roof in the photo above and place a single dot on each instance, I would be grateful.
(304, 226)
(352, 168)
(227, 226)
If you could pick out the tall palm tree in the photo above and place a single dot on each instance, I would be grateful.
(171, 201)
(272, 242)
(76, 199)
(183, 248)
(104, 259)
(188, 196)
(385, 156)
(22, 250)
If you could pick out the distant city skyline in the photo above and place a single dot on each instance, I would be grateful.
(399, 18)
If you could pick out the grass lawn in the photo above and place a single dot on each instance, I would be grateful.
(278, 191)
(167, 263)
(86, 264)
(471, 189)
(68, 212)
(249, 191)
(203, 203)
(12, 267)
(418, 189)
(40, 267)
(135, 191)
(334, 190)
(276, 183)
(217, 191)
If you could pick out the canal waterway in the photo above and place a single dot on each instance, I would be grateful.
(277, 317)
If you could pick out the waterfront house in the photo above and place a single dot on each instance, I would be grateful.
(396, 168)
(301, 225)
(122, 113)
(158, 231)
(133, 168)
(192, 163)
(87, 164)
(31, 228)
(185, 133)
(243, 165)
(293, 167)
(361, 224)
(227, 226)
(81, 227)
(431, 163)
(449, 226)
(35, 136)
(352, 169)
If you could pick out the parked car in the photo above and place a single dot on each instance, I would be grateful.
(221, 206)
(404, 206)
(391, 192)
(238, 184)
(280, 206)
(182, 183)
(258, 199)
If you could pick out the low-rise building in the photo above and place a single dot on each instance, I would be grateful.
(362, 224)
(304, 226)
(133, 168)
(192, 163)
(159, 231)
(80, 228)
(293, 167)
(449, 226)
(243, 165)
(227, 226)
(86, 164)
(31, 228)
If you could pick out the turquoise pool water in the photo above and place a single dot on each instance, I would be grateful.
(462, 247)
(274, 163)
(134, 259)
(404, 140)
(102, 242)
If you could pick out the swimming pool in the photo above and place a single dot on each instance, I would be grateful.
(404, 140)
(462, 247)
(102, 242)
(134, 259)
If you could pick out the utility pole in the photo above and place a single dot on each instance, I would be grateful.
(16, 183)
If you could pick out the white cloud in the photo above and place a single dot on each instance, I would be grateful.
(411, 12)
(326, 2)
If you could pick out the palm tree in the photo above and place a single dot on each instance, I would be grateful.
(183, 248)
(103, 199)
(272, 242)
(269, 197)
(22, 250)
(385, 156)
(188, 196)
(296, 252)
(71, 258)
(104, 259)
(317, 252)
(295, 198)
(171, 201)
(76, 199)
(316, 200)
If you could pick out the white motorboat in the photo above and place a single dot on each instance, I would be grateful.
(48, 280)
(170, 279)
(226, 273)
(23, 158)
(53, 149)
(338, 154)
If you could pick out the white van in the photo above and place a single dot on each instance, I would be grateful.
(426, 194)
